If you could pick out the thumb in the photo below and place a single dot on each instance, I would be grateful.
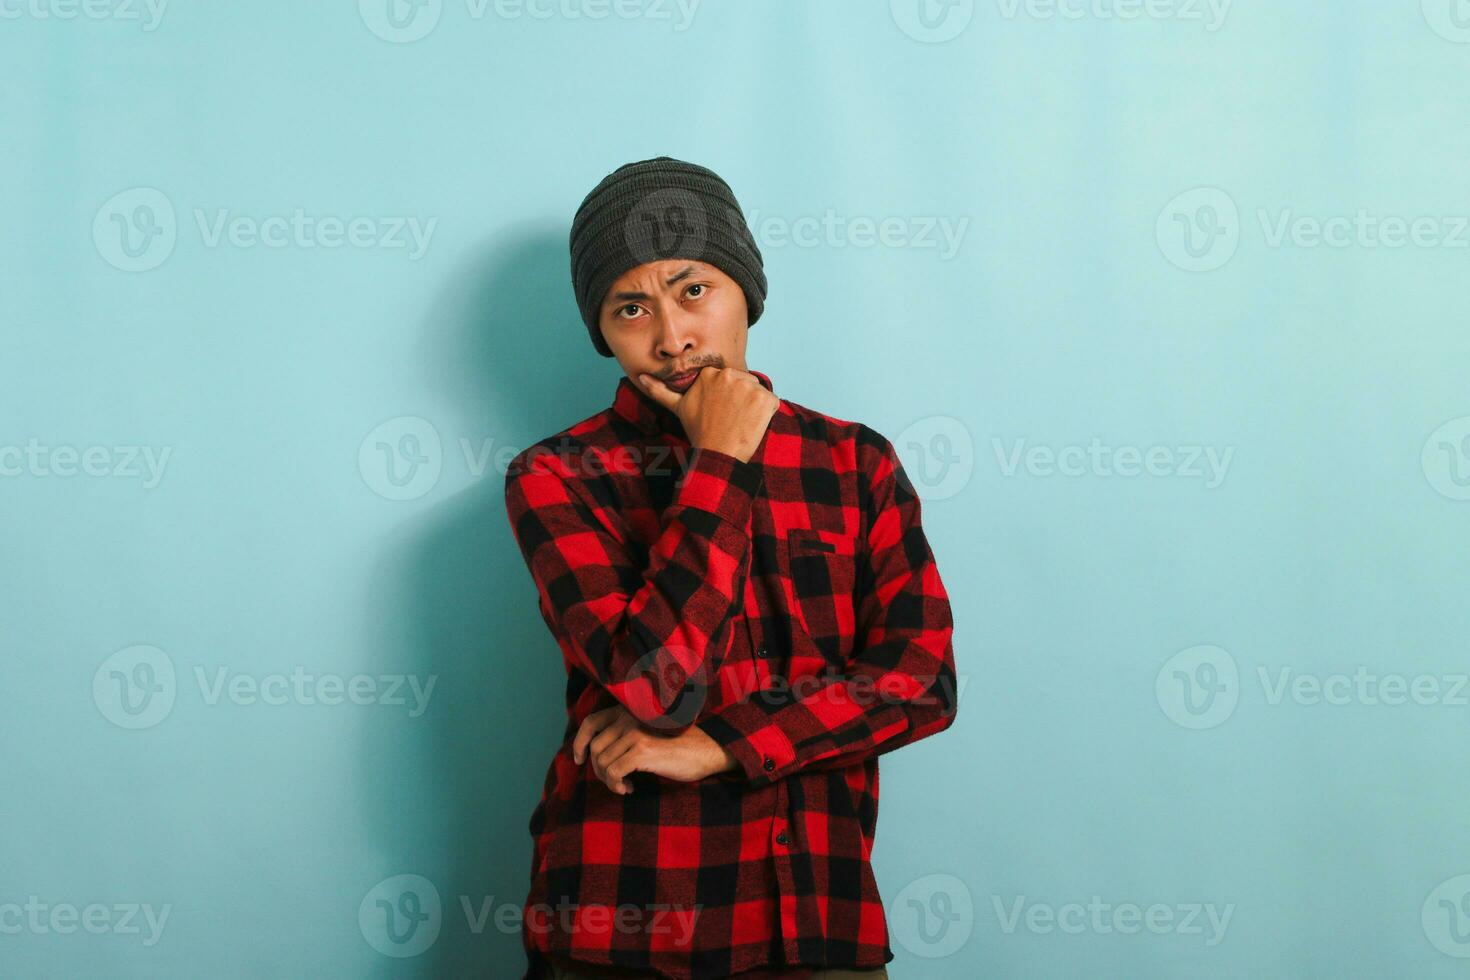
(659, 391)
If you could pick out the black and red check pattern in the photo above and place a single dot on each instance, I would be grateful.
(788, 605)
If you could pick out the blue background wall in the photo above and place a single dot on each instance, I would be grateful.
(1184, 390)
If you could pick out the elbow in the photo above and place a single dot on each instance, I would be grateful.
(672, 720)
(661, 696)
(643, 702)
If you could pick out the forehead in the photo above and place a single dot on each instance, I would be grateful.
(660, 272)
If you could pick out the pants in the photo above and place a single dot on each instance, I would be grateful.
(563, 969)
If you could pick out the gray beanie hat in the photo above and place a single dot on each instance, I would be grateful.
(653, 210)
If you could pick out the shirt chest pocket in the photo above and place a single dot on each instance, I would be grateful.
(823, 569)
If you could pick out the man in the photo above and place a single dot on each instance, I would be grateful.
(748, 612)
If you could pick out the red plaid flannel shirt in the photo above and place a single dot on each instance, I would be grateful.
(790, 606)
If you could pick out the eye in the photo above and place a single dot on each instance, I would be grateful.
(699, 286)
(623, 309)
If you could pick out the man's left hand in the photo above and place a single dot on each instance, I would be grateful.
(617, 745)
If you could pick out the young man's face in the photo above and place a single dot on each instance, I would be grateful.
(672, 316)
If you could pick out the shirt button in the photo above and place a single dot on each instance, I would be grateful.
(761, 653)
(769, 764)
(782, 839)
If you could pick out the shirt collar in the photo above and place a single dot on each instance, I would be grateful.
(648, 415)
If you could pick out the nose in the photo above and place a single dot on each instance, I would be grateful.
(674, 336)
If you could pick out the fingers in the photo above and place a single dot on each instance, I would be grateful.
(603, 738)
(615, 760)
(590, 727)
(659, 391)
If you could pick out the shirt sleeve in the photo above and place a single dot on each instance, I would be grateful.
(900, 683)
(651, 629)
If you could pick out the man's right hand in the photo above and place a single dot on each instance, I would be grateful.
(726, 409)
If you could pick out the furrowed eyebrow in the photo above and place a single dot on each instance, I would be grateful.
(679, 276)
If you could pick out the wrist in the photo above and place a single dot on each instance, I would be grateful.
(725, 449)
(718, 757)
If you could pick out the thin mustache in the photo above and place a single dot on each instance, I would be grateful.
(675, 374)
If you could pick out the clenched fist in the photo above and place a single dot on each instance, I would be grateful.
(726, 409)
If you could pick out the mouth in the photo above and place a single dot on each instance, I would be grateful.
(681, 382)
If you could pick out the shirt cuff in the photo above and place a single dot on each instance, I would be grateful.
(758, 744)
(721, 484)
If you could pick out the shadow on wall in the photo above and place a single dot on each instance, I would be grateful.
(449, 794)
